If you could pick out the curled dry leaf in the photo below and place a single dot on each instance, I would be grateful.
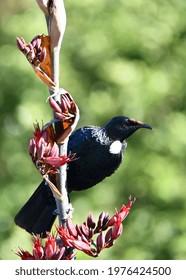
(37, 53)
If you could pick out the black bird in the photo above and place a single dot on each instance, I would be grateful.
(99, 152)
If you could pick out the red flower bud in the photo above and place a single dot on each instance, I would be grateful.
(71, 228)
(85, 230)
(42, 55)
(20, 43)
(100, 219)
(61, 116)
(117, 229)
(38, 251)
(78, 230)
(55, 106)
(24, 255)
(90, 221)
(108, 235)
(81, 245)
(50, 247)
(100, 242)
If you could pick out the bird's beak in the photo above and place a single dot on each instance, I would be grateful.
(145, 125)
(139, 124)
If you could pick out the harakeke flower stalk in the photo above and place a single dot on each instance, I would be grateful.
(55, 15)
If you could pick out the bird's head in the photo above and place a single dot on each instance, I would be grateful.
(120, 128)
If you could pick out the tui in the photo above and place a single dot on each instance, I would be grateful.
(99, 152)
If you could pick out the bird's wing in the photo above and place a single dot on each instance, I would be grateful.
(80, 140)
(94, 160)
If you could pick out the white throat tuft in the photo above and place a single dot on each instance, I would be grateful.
(115, 147)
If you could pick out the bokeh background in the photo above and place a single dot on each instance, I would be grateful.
(118, 58)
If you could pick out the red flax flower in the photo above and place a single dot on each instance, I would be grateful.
(88, 237)
(44, 151)
(49, 251)
(81, 237)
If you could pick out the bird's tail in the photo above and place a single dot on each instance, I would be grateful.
(37, 215)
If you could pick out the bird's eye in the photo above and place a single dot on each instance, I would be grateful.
(127, 122)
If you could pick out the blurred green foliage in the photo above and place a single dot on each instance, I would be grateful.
(118, 58)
